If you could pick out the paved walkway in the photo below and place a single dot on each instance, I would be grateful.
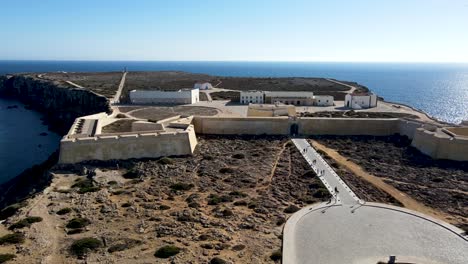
(353, 231)
(368, 234)
(326, 174)
(116, 98)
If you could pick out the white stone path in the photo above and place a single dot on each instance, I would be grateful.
(326, 174)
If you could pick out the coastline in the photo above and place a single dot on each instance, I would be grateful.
(58, 106)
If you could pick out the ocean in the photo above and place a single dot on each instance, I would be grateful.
(21, 142)
(440, 90)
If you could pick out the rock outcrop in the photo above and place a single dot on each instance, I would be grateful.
(60, 104)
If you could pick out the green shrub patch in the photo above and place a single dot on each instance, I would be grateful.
(26, 222)
(82, 246)
(6, 257)
(78, 223)
(167, 251)
(15, 238)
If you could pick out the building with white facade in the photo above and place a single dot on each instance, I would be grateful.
(360, 100)
(202, 86)
(324, 100)
(252, 97)
(183, 96)
(288, 98)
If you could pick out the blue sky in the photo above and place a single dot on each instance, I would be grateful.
(240, 30)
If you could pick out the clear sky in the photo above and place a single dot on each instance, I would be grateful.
(245, 30)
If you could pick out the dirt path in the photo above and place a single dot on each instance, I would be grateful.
(267, 183)
(403, 198)
(47, 233)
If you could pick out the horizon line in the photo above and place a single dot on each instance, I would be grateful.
(247, 61)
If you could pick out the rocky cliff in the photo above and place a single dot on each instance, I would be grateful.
(60, 105)
(58, 102)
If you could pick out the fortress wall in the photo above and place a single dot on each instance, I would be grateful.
(440, 146)
(347, 126)
(242, 125)
(408, 128)
(143, 145)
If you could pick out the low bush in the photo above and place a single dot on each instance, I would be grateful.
(238, 156)
(291, 209)
(82, 246)
(320, 193)
(227, 212)
(226, 170)
(112, 182)
(78, 223)
(15, 238)
(26, 222)
(120, 115)
(280, 221)
(85, 186)
(131, 174)
(217, 260)
(127, 244)
(438, 180)
(126, 205)
(74, 231)
(238, 247)
(89, 189)
(252, 205)
(118, 192)
(165, 160)
(215, 199)
(64, 211)
(180, 186)
(276, 255)
(167, 251)
(208, 157)
(240, 203)
(194, 205)
(163, 207)
(238, 194)
(11, 210)
(6, 257)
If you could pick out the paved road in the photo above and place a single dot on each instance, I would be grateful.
(352, 88)
(74, 84)
(370, 234)
(116, 98)
(329, 177)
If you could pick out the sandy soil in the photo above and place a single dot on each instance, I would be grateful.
(228, 200)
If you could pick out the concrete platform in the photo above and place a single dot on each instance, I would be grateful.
(367, 234)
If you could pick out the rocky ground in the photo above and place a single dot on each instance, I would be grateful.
(230, 201)
(438, 184)
(103, 83)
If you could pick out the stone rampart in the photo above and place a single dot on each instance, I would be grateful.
(137, 145)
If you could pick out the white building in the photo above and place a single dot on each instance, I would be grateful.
(183, 96)
(203, 86)
(361, 100)
(290, 98)
(323, 100)
(251, 97)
